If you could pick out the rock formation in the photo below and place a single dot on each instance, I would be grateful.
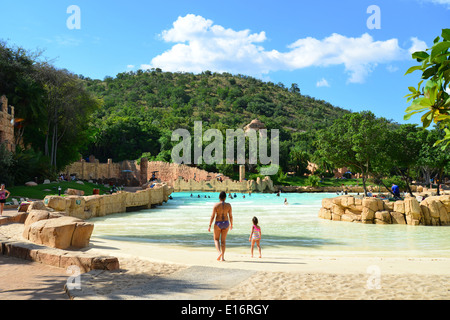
(56, 230)
(58, 222)
(255, 125)
(433, 211)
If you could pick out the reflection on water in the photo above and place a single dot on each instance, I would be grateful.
(184, 221)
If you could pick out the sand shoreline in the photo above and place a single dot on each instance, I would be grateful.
(279, 275)
(283, 277)
(273, 259)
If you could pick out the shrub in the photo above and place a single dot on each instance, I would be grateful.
(313, 181)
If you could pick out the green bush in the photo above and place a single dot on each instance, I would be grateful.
(396, 180)
(313, 181)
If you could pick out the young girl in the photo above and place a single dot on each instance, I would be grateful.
(255, 236)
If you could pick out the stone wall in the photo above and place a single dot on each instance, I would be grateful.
(86, 207)
(260, 185)
(6, 124)
(432, 211)
(94, 170)
(170, 172)
(130, 170)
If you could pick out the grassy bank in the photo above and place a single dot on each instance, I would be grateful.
(325, 182)
(42, 190)
(304, 181)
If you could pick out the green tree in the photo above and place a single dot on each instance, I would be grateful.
(433, 98)
(403, 144)
(299, 160)
(432, 159)
(68, 105)
(356, 141)
(18, 82)
(124, 138)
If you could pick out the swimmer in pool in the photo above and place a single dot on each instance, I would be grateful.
(222, 213)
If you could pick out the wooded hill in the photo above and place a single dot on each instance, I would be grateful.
(141, 109)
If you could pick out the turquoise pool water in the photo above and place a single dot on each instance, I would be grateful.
(184, 221)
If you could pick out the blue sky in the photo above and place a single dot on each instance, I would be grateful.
(326, 47)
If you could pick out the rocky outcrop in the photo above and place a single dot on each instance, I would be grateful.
(433, 211)
(56, 230)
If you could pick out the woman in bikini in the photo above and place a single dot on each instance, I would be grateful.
(222, 213)
(4, 194)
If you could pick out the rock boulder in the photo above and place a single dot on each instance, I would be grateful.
(61, 233)
(432, 211)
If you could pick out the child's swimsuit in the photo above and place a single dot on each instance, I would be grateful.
(256, 233)
(224, 224)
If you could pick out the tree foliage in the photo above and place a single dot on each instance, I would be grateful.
(52, 107)
(433, 97)
(356, 141)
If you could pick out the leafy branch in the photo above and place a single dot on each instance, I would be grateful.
(433, 98)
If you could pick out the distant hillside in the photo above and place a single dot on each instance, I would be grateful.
(142, 108)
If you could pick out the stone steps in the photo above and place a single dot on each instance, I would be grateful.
(24, 249)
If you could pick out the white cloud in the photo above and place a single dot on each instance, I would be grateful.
(63, 41)
(130, 66)
(322, 83)
(201, 45)
(391, 68)
(441, 2)
(358, 55)
(417, 45)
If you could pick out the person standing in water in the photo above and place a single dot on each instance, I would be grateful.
(223, 215)
(3, 197)
(255, 236)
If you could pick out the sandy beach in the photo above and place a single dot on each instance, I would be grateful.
(276, 276)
